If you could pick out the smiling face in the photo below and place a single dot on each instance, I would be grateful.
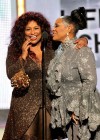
(33, 31)
(60, 30)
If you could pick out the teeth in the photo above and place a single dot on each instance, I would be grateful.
(32, 36)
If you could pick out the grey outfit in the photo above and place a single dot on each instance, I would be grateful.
(71, 79)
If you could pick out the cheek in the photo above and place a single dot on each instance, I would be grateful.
(27, 34)
(27, 37)
(61, 34)
(40, 36)
(39, 33)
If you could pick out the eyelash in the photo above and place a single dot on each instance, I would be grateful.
(56, 26)
(30, 29)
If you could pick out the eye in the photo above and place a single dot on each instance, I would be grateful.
(36, 28)
(56, 25)
(27, 29)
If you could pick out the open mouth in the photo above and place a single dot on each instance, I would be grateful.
(33, 37)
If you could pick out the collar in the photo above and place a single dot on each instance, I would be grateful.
(68, 42)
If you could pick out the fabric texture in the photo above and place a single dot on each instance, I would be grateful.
(25, 104)
(72, 79)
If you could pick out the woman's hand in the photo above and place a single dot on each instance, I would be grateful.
(75, 118)
(25, 48)
(81, 42)
(20, 80)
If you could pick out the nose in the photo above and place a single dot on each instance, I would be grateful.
(32, 31)
(53, 29)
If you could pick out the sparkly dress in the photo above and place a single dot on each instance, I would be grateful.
(25, 104)
(71, 78)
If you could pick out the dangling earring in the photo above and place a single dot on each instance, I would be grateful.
(67, 36)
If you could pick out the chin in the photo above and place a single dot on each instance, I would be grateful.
(54, 38)
(34, 42)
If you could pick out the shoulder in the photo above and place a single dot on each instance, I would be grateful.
(85, 54)
(85, 51)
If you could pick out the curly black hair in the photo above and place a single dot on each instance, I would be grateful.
(18, 30)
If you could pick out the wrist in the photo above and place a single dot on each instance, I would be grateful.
(23, 56)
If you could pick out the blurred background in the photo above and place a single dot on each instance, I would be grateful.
(9, 12)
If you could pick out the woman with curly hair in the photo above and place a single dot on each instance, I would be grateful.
(25, 115)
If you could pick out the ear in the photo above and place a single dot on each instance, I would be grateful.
(70, 28)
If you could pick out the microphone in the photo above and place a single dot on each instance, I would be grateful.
(44, 39)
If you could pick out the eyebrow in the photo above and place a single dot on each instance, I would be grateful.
(58, 23)
(34, 26)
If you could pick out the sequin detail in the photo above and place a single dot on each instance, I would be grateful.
(71, 78)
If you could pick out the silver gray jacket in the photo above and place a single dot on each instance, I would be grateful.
(71, 79)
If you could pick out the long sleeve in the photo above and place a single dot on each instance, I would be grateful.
(13, 64)
(89, 97)
(87, 71)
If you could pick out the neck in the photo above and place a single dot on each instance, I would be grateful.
(68, 38)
